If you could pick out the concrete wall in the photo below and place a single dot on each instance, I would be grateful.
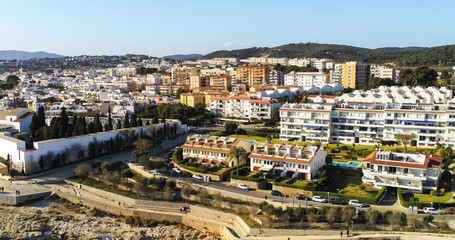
(13, 199)
(70, 146)
(291, 191)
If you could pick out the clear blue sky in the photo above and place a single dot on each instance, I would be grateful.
(158, 28)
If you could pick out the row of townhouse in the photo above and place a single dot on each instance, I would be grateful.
(243, 107)
(213, 149)
(364, 122)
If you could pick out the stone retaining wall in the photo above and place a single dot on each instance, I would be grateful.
(255, 185)
(291, 191)
(216, 178)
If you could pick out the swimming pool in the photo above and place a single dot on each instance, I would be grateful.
(250, 141)
(346, 165)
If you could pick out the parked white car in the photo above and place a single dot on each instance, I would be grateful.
(196, 176)
(243, 186)
(177, 170)
(319, 199)
(355, 203)
(430, 210)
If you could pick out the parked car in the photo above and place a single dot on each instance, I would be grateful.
(177, 170)
(276, 193)
(319, 199)
(356, 203)
(449, 210)
(301, 197)
(243, 186)
(337, 200)
(430, 210)
(197, 176)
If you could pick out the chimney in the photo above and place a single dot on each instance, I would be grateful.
(266, 147)
(299, 150)
(255, 146)
(188, 138)
(206, 139)
(288, 150)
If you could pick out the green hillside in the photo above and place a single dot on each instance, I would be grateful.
(410, 56)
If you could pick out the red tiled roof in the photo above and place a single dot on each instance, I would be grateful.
(264, 101)
(23, 117)
(430, 162)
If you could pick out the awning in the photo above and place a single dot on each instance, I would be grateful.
(407, 121)
(313, 126)
(424, 122)
(265, 169)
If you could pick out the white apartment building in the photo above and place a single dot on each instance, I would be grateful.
(363, 122)
(384, 72)
(410, 172)
(212, 148)
(287, 160)
(404, 94)
(305, 79)
(276, 78)
(243, 107)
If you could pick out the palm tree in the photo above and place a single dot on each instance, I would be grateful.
(239, 155)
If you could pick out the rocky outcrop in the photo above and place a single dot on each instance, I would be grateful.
(55, 220)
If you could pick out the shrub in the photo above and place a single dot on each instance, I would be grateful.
(96, 163)
(428, 218)
(127, 173)
(433, 193)
(106, 167)
(313, 217)
(82, 170)
(362, 187)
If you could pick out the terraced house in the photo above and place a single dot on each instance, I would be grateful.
(362, 123)
(287, 160)
(212, 148)
(411, 172)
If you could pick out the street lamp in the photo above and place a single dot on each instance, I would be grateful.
(352, 228)
(328, 196)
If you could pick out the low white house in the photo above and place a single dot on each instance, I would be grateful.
(287, 160)
(411, 172)
(19, 119)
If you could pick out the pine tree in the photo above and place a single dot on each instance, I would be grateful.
(98, 125)
(133, 120)
(126, 122)
(139, 122)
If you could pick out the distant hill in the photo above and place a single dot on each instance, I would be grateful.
(408, 56)
(23, 55)
(183, 57)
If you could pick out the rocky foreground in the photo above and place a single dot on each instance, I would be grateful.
(59, 219)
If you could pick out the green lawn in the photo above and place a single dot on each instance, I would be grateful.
(427, 198)
(299, 184)
(355, 190)
(343, 182)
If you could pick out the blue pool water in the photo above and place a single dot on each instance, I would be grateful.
(250, 141)
(346, 165)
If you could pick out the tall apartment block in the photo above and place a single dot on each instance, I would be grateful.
(252, 75)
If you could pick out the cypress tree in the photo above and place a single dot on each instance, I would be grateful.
(119, 124)
(91, 127)
(64, 120)
(41, 117)
(133, 120)
(109, 120)
(98, 125)
(126, 121)
(139, 122)
(83, 126)
(34, 125)
(76, 123)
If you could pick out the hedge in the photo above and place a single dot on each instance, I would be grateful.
(420, 205)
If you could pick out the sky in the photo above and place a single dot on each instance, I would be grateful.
(166, 27)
